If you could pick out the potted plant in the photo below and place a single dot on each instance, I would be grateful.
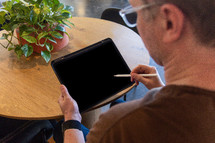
(39, 26)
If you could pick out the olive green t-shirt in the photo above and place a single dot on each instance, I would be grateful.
(172, 114)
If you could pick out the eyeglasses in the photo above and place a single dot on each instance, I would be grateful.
(129, 14)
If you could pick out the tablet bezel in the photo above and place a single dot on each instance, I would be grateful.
(84, 51)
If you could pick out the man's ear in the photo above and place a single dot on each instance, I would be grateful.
(173, 22)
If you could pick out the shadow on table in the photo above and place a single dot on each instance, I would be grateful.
(33, 60)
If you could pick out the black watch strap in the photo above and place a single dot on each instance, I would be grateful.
(71, 124)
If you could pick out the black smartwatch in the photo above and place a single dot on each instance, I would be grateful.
(71, 124)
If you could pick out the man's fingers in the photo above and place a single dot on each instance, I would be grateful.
(144, 69)
(64, 91)
(133, 78)
(138, 78)
(60, 99)
(140, 69)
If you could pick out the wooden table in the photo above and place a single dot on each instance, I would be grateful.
(29, 88)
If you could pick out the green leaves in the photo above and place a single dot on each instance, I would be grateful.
(50, 38)
(27, 50)
(18, 51)
(33, 17)
(59, 7)
(41, 26)
(2, 17)
(41, 35)
(56, 34)
(46, 55)
(66, 14)
(39, 22)
(30, 39)
(49, 47)
(60, 28)
(4, 36)
(7, 5)
(26, 28)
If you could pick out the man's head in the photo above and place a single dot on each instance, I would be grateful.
(175, 21)
(201, 14)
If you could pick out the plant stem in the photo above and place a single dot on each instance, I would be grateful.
(3, 45)
(15, 37)
(9, 41)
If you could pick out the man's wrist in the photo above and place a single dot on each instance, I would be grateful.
(71, 124)
(66, 118)
(70, 117)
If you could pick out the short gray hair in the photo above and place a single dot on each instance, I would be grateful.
(201, 14)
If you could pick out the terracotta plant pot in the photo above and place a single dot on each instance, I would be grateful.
(61, 43)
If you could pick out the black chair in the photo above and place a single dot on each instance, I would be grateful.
(112, 14)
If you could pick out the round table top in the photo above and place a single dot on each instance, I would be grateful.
(29, 87)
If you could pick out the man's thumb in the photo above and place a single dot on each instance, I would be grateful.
(139, 78)
(64, 90)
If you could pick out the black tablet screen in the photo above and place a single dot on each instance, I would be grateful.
(89, 73)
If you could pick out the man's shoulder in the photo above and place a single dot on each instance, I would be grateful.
(157, 111)
(122, 110)
(175, 91)
(119, 114)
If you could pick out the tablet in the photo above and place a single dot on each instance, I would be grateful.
(89, 73)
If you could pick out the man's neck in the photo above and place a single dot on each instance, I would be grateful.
(196, 69)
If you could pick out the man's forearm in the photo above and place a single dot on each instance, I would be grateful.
(73, 136)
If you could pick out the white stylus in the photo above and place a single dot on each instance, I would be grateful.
(128, 75)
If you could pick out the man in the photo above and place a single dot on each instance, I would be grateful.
(179, 35)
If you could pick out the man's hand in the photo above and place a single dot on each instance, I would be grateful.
(68, 105)
(149, 82)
